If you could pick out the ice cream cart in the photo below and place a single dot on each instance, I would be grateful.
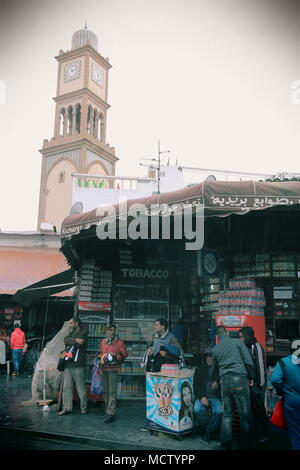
(169, 401)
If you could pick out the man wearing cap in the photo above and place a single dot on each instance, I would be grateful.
(112, 353)
(207, 398)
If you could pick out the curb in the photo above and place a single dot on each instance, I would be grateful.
(100, 443)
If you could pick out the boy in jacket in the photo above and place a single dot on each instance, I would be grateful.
(112, 353)
(207, 397)
(17, 343)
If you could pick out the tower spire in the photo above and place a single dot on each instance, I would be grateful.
(85, 26)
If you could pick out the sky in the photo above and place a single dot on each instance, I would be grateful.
(211, 79)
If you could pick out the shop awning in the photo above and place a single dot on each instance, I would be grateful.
(52, 285)
(24, 266)
(220, 198)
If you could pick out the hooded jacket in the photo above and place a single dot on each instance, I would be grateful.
(17, 339)
(203, 379)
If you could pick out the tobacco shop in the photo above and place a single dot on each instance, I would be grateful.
(246, 273)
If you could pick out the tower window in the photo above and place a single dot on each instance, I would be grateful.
(61, 177)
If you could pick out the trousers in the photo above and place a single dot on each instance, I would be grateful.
(16, 357)
(200, 411)
(235, 393)
(259, 414)
(74, 375)
(110, 385)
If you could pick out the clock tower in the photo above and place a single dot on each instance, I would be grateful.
(79, 141)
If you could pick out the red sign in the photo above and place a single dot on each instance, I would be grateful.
(94, 306)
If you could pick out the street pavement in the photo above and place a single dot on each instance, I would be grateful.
(21, 424)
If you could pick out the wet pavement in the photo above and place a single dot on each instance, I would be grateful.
(74, 430)
(124, 433)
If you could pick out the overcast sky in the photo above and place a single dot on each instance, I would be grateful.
(210, 78)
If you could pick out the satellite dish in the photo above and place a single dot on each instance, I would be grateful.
(210, 178)
(77, 208)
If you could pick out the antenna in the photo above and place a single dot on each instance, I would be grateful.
(159, 152)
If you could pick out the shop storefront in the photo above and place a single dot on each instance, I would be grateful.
(134, 282)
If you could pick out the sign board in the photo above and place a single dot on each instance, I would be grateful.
(169, 403)
(94, 306)
(231, 321)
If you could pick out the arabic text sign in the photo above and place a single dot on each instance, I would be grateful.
(244, 203)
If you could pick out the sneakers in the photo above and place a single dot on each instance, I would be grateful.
(63, 412)
(109, 419)
(83, 412)
(14, 374)
(264, 439)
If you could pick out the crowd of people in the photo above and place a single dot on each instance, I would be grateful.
(229, 380)
(12, 347)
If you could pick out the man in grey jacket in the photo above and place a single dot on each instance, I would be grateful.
(236, 371)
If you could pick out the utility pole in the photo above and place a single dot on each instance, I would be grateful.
(158, 159)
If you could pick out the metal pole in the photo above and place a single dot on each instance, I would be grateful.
(158, 174)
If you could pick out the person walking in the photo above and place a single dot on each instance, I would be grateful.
(286, 381)
(162, 337)
(74, 370)
(235, 367)
(258, 389)
(112, 353)
(207, 399)
(17, 343)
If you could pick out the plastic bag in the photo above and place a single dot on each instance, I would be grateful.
(278, 418)
(96, 382)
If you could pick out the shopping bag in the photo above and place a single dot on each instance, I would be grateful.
(25, 347)
(96, 382)
(278, 418)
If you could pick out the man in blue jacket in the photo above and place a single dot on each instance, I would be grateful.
(234, 363)
(286, 381)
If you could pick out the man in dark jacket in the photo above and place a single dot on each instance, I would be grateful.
(74, 354)
(207, 399)
(258, 389)
(236, 370)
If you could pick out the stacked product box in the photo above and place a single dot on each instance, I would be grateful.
(95, 283)
(242, 298)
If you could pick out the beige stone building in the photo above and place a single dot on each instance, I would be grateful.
(79, 141)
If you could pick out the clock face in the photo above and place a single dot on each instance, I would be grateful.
(98, 75)
(72, 71)
(210, 263)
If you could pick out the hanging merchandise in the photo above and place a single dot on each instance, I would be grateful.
(96, 380)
